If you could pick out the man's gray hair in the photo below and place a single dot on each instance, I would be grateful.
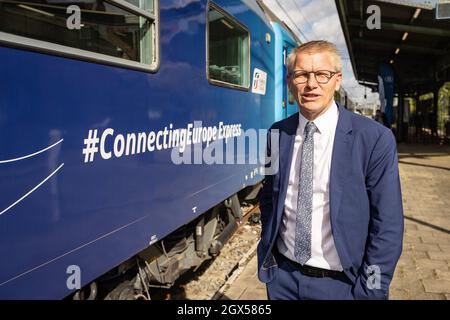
(315, 46)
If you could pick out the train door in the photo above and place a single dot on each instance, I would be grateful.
(289, 105)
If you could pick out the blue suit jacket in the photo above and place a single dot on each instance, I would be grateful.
(365, 201)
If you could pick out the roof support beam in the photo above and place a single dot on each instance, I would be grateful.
(404, 27)
(403, 47)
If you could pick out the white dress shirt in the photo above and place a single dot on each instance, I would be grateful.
(323, 249)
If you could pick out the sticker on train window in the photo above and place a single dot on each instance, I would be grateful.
(259, 81)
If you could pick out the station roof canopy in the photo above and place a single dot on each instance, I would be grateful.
(411, 39)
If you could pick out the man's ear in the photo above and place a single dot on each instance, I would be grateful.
(338, 81)
(289, 81)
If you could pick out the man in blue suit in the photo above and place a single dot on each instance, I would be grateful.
(332, 217)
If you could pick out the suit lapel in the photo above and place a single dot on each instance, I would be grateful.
(340, 161)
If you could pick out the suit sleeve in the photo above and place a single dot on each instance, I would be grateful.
(265, 200)
(384, 243)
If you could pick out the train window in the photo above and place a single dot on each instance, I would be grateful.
(228, 50)
(119, 32)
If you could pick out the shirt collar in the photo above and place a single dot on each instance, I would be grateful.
(324, 122)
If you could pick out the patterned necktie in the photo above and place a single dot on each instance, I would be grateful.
(302, 251)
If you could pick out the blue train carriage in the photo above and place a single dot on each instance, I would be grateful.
(285, 40)
(93, 100)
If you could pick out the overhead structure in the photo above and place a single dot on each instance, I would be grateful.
(410, 39)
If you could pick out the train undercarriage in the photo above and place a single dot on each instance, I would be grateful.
(162, 263)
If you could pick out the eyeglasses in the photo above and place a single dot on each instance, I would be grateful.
(321, 76)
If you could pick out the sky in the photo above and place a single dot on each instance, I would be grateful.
(318, 19)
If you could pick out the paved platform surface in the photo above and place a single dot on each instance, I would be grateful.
(423, 270)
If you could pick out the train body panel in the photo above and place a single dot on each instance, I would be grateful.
(60, 210)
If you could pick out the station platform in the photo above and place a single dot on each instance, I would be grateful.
(423, 270)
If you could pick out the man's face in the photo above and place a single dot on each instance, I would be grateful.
(314, 98)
